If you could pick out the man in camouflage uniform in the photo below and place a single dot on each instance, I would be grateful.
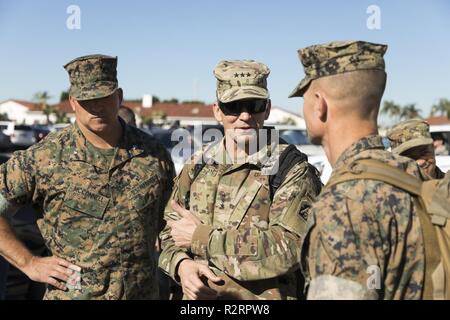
(412, 139)
(101, 186)
(365, 239)
(237, 242)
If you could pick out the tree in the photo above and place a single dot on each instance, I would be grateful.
(64, 96)
(391, 109)
(173, 100)
(442, 108)
(42, 98)
(410, 111)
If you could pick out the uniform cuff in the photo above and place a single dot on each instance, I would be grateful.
(200, 239)
(174, 265)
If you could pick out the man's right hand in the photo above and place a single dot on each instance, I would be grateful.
(52, 270)
(190, 273)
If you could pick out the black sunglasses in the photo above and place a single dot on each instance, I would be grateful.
(235, 108)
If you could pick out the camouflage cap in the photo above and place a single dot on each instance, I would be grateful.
(92, 77)
(241, 79)
(409, 134)
(338, 57)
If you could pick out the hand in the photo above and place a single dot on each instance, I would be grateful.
(190, 273)
(50, 270)
(183, 229)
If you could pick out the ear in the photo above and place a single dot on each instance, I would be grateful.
(73, 102)
(120, 95)
(321, 106)
(218, 114)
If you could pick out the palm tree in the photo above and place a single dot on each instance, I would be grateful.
(442, 108)
(391, 109)
(410, 111)
(42, 98)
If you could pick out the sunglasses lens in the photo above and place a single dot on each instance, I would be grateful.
(235, 108)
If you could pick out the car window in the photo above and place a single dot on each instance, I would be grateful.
(297, 137)
(23, 128)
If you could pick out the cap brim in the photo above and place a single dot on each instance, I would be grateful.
(240, 93)
(412, 144)
(301, 88)
(89, 92)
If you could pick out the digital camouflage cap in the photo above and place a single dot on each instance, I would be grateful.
(241, 79)
(409, 134)
(92, 76)
(338, 57)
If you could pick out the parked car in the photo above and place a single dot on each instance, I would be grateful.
(5, 141)
(21, 135)
(442, 161)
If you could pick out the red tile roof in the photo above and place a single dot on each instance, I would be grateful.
(188, 110)
(438, 120)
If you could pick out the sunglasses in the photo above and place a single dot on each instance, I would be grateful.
(235, 108)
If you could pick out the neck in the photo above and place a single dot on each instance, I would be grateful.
(238, 153)
(108, 138)
(341, 135)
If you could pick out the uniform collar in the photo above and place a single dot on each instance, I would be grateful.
(130, 145)
(366, 143)
(265, 158)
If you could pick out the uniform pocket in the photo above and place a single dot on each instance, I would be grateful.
(144, 194)
(85, 201)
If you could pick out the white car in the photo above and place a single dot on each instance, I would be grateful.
(316, 155)
(442, 161)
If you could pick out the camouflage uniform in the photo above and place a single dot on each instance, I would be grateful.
(410, 134)
(364, 230)
(102, 216)
(245, 237)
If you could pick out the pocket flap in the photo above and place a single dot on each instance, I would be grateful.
(85, 201)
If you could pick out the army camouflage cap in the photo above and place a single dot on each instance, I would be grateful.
(92, 77)
(409, 134)
(338, 57)
(241, 79)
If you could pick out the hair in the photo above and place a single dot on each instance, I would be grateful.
(357, 92)
(127, 115)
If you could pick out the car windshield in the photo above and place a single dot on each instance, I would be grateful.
(297, 137)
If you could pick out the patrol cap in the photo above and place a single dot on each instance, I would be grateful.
(241, 79)
(338, 57)
(409, 134)
(92, 76)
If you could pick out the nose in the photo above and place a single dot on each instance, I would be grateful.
(245, 116)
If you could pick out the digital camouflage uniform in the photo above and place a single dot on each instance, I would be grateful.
(364, 223)
(410, 134)
(103, 217)
(364, 236)
(250, 241)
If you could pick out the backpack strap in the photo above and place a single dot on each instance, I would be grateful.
(287, 160)
(377, 170)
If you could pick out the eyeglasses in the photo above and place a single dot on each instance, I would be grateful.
(235, 108)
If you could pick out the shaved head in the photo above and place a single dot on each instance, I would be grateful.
(357, 92)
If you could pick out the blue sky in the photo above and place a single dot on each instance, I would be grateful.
(169, 48)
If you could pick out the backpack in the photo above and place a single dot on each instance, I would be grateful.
(432, 200)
